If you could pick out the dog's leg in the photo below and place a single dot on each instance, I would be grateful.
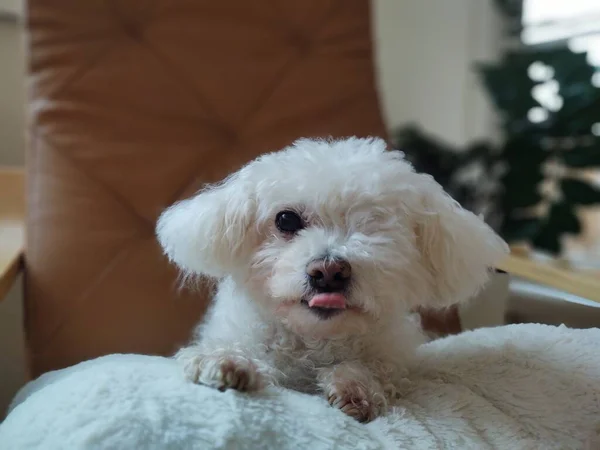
(352, 388)
(225, 368)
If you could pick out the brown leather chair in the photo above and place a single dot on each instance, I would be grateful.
(135, 104)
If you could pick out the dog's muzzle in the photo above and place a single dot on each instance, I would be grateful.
(328, 279)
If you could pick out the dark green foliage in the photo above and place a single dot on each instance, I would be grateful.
(563, 140)
(562, 216)
(508, 89)
(534, 154)
(586, 156)
(577, 192)
(428, 155)
(509, 86)
(445, 163)
(523, 229)
(511, 8)
(512, 11)
(560, 219)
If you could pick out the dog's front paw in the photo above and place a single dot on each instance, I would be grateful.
(222, 372)
(355, 400)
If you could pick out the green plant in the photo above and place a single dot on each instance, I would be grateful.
(547, 141)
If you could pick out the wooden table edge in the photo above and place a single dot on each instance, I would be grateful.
(580, 283)
(10, 275)
(12, 225)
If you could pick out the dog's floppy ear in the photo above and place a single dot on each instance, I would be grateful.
(207, 234)
(458, 249)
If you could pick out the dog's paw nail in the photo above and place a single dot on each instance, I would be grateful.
(352, 400)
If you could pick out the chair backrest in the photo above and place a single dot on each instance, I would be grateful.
(135, 104)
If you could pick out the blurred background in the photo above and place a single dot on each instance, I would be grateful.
(498, 100)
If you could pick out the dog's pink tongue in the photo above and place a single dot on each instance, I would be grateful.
(333, 300)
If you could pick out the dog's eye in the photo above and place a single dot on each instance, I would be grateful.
(288, 222)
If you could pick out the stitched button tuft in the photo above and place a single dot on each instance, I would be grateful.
(230, 135)
(300, 42)
(132, 29)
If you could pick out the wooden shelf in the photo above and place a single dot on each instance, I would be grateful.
(584, 284)
(12, 226)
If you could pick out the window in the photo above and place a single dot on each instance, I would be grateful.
(547, 22)
(575, 21)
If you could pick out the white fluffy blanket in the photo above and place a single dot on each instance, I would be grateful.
(515, 387)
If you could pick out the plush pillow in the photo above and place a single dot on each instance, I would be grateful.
(513, 387)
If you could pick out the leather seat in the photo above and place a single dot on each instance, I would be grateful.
(135, 104)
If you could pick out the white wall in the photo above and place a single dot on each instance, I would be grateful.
(12, 93)
(426, 50)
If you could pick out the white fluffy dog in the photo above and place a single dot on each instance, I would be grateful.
(323, 250)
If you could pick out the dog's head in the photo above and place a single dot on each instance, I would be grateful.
(333, 237)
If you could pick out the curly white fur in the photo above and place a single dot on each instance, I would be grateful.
(409, 244)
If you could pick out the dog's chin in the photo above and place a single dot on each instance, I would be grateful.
(319, 322)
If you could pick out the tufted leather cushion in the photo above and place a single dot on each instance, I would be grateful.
(135, 104)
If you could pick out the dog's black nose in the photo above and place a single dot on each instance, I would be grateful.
(329, 275)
